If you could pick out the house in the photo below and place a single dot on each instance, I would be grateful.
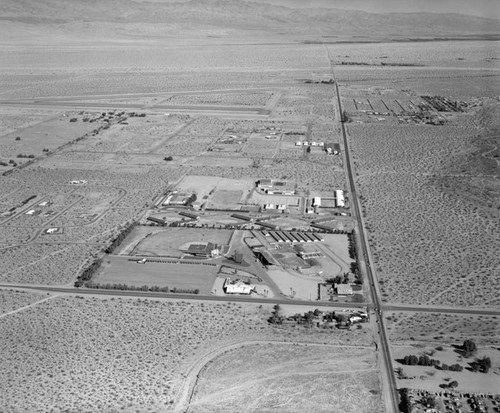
(343, 289)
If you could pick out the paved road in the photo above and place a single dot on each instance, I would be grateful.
(195, 297)
(388, 379)
(245, 299)
(437, 309)
(137, 106)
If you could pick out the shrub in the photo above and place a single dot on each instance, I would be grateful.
(456, 367)
(469, 348)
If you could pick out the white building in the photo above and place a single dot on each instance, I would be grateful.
(237, 287)
(339, 195)
(343, 289)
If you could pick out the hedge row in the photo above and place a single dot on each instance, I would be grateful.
(88, 273)
(153, 288)
(119, 239)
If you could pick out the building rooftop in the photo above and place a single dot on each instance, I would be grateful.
(201, 248)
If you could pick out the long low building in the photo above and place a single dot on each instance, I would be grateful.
(339, 196)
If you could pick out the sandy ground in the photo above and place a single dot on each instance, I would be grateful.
(142, 349)
(430, 245)
(293, 378)
(299, 286)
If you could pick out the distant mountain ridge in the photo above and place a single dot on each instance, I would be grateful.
(242, 15)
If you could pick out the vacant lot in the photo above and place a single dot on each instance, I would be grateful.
(184, 276)
(291, 378)
(11, 300)
(44, 264)
(48, 134)
(225, 199)
(244, 99)
(429, 245)
(443, 328)
(207, 187)
(61, 351)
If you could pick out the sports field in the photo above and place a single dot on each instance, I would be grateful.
(166, 243)
(118, 270)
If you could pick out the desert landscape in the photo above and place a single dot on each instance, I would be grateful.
(211, 205)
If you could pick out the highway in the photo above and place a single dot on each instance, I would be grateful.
(388, 379)
(246, 299)
(180, 296)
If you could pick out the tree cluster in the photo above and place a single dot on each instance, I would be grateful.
(353, 253)
(423, 360)
(276, 315)
(28, 199)
(119, 239)
(145, 288)
(191, 199)
(469, 348)
(339, 279)
(453, 367)
(88, 273)
(482, 365)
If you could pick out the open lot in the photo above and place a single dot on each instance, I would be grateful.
(268, 378)
(405, 212)
(217, 192)
(443, 328)
(46, 135)
(148, 364)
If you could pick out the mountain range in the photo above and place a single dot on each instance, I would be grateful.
(226, 17)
